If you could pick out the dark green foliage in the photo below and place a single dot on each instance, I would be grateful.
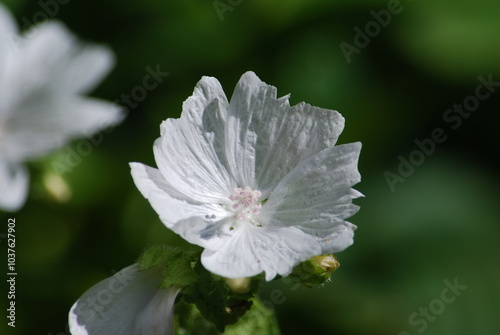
(214, 299)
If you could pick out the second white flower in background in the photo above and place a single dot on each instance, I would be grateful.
(44, 76)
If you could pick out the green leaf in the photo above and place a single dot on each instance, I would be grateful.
(258, 320)
(216, 301)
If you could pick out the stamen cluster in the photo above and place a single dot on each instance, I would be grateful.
(245, 203)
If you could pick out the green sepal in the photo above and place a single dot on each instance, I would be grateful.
(314, 271)
(258, 320)
(178, 264)
(215, 301)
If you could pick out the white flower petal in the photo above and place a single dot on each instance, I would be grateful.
(7, 23)
(157, 318)
(8, 48)
(128, 303)
(44, 125)
(189, 152)
(89, 116)
(291, 137)
(205, 92)
(316, 197)
(250, 96)
(184, 216)
(14, 181)
(252, 250)
(267, 137)
(8, 34)
(85, 68)
(54, 57)
(43, 50)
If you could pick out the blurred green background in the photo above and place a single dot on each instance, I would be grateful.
(442, 223)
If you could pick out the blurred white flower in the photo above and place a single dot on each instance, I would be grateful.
(256, 182)
(128, 303)
(44, 75)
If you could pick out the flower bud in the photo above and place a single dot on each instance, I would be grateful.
(315, 271)
(239, 285)
(327, 262)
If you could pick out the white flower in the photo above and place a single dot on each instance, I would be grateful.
(43, 77)
(257, 183)
(128, 303)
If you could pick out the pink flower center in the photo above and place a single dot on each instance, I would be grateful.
(245, 204)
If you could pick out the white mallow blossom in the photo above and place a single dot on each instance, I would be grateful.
(128, 303)
(44, 75)
(259, 184)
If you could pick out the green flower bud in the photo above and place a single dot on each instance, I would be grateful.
(327, 262)
(315, 271)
